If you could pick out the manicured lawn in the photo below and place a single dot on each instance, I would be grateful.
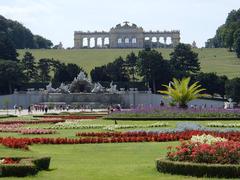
(212, 60)
(98, 161)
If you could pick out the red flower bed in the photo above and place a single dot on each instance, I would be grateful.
(115, 137)
(8, 161)
(71, 117)
(227, 152)
(37, 131)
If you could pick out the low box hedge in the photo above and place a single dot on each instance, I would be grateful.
(26, 166)
(198, 169)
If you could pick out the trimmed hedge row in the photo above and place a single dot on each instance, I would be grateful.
(198, 169)
(25, 167)
(169, 119)
(7, 116)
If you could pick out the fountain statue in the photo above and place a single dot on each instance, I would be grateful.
(81, 84)
(98, 88)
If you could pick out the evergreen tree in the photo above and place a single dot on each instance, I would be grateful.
(44, 68)
(237, 47)
(11, 76)
(29, 67)
(151, 66)
(184, 61)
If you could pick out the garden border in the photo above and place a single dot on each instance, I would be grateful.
(198, 169)
(168, 119)
(26, 166)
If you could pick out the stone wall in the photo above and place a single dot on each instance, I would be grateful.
(126, 99)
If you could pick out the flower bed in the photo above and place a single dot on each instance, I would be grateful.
(37, 131)
(203, 155)
(72, 116)
(116, 137)
(218, 124)
(154, 125)
(31, 121)
(175, 113)
(10, 127)
(8, 161)
(22, 166)
(76, 125)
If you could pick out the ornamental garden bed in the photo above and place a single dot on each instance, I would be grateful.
(173, 113)
(203, 156)
(23, 166)
(172, 118)
(70, 116)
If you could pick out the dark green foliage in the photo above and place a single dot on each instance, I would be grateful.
(42, 43)
(150, 66)
(184, 61)
(20, 36)
(213, 83)
(29, 67)
(233, 89)
(227, 34)
(7, 48)
(25, 167)
(100, 74)
(65, 73)
(237, 46)
(11, 75)
(42, 163)
(114, 71)
(198, 169)
(44, 67)
(131, 65)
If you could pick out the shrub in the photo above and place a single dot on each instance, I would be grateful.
(25, 166)
(198, 169)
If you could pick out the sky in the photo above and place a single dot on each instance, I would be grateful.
(57, 20)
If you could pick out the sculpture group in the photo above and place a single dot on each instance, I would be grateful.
(81, 84)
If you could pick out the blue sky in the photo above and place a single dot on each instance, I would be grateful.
(58, 19)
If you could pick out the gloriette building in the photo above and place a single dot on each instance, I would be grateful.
(126, 35)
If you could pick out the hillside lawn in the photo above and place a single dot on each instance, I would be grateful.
(133, 161)
(217, 60)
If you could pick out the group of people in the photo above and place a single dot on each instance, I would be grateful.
(31, 108)
(114, 108)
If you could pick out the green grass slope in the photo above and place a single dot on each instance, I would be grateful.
(218, 60)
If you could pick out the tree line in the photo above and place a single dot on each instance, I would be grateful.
(18, 36)
(228, 34)
(148, 66)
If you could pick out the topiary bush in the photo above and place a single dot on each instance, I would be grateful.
(26, 166)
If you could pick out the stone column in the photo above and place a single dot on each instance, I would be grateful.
(88, 39)
(80, 42)
(175, 41)
(158, 43)
(165, 42)
(95, 40)
(151, 43)
(103, 42)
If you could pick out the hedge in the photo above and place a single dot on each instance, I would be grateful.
(198, 169)
(26, 166)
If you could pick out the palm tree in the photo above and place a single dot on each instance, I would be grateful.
(182, 93)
